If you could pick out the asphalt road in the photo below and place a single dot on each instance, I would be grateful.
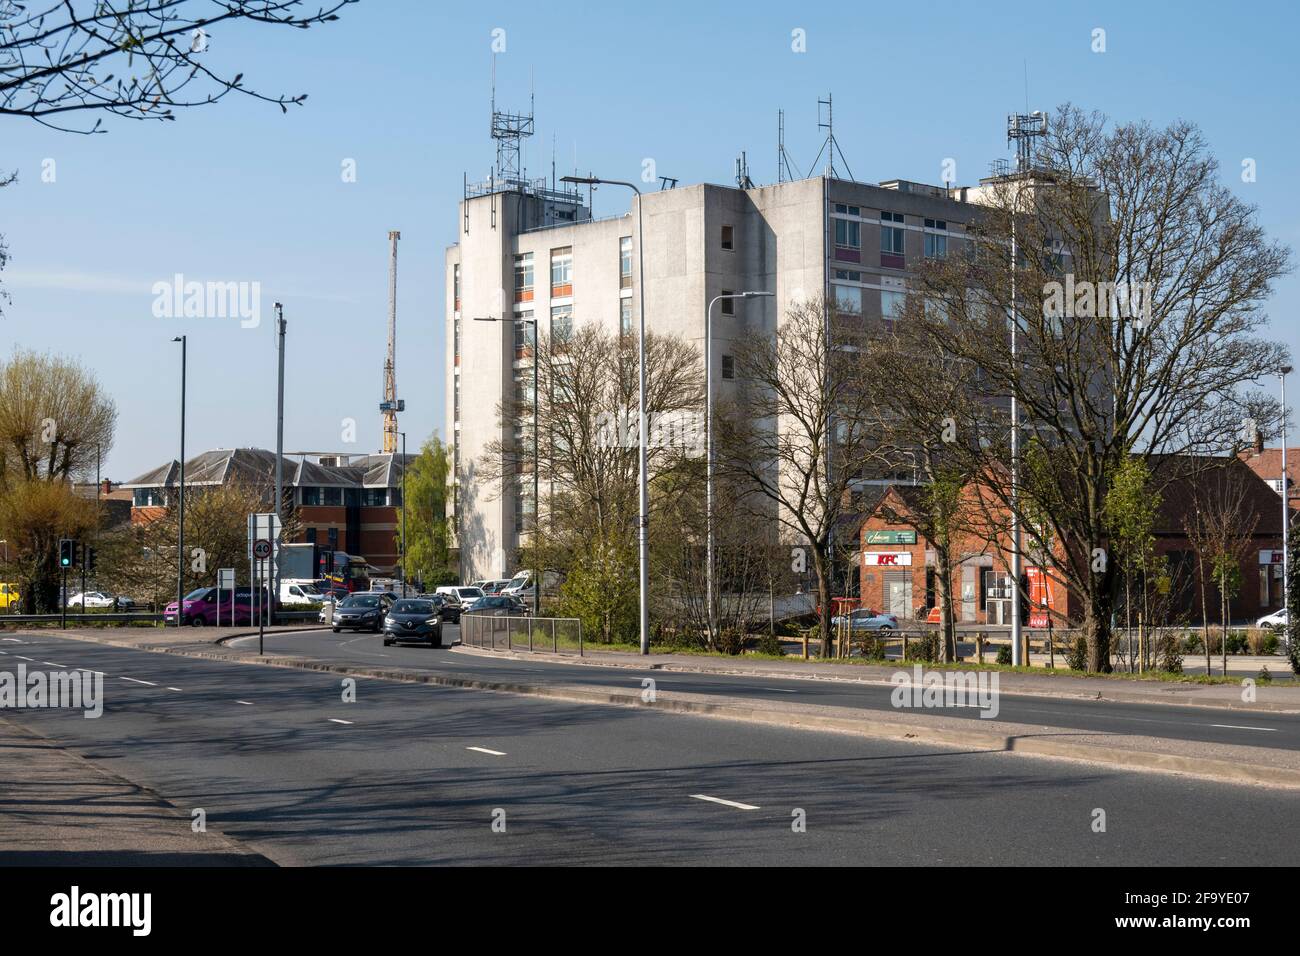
(416, 774)
(1252, 729)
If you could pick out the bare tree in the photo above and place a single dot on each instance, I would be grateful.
(798, 438)
(1139, 287)
(1225, 522)
(137, 59)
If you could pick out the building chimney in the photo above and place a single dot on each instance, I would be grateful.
(106, 486)
(1259, 442)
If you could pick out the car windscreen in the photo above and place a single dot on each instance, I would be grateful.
(202, 594)
(366, 601)
(412, 607)
(470, 594)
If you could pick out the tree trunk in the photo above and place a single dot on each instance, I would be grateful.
(1097, 628)
(948, 653)
(824, 603)
(1205, 618)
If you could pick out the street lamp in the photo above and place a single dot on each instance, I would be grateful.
(180, 535)
(643, 519)
(710, 593)
(537, 467)
(1286, 512)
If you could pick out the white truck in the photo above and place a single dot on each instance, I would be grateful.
(300, 591)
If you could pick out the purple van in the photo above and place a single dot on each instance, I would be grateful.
(201, 607)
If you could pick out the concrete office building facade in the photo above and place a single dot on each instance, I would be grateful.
(538, 255)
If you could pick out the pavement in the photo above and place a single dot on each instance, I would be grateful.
(60, 809)
(295, 764)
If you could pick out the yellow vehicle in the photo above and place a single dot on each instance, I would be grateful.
(9, 597)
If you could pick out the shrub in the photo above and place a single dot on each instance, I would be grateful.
(1076, 658)
(1263, 641)
(770, 644)
(1192, 643)
(870, 647)
(924, 649)
(731, 641)
(1004, 654)
(1169, 658)
(1265, 677)
(1237, 642)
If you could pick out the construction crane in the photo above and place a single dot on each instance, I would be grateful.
(391, 404)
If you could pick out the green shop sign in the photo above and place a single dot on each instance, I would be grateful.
(891, 537)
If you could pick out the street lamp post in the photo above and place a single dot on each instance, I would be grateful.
(1286, 513)
(180, 535)
(537, 467)
(643, 519)
(710, 587)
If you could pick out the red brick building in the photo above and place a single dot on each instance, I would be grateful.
(897, 575)
(348, 503)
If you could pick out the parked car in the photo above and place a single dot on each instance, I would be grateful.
(10, 598)
(865, 619)
(1275, 620)
(496, 587)
(360, 612)
(497, 605)
(443, 607)
(99, 598)
(458, 597)
(412, 619)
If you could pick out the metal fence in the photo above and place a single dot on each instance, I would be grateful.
(559, 635)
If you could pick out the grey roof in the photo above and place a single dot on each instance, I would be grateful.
(258, 465)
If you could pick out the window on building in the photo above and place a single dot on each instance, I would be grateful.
(625, 316)
(727, 306)
(891, 235)
(848, 234)
(311, 535)
(936, 246)
(524, 277)
(625, 262)
(331, 497)
(728, 237)
(455, 399)
(374, 497)
(147, 498)
(728, 367)
(845, 210)
(562, 271)
(891, 304)
(561, 324)
(455, 339)
(455, 283)
(525, 332)
(848, 299)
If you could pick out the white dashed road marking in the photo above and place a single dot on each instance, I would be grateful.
(1239, 727)
(175, 688)
(145, 682)
(725, 803)
(484, 750)
(246, 703)
(335, 720)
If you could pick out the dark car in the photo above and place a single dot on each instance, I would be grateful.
(497, 605)
(360, 612)
(413, 619)
(446, 612)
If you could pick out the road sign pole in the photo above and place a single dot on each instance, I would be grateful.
(63, 622)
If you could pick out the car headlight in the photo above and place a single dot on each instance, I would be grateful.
(388, 620)
(432, 620)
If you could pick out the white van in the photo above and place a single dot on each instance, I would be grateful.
(300, 591)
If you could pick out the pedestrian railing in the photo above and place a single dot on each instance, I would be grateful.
(559, 635)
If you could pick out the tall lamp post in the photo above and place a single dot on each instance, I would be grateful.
(537, 467)
(180, 535)
(643, 519)
(1286, 512)
(711, 589)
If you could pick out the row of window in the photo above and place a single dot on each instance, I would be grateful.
(561, 272)
(848, 237)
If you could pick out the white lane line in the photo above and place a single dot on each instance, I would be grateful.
(175, 688)
(21, 658)
(145, 682)
(335, 720)
(725, 803)
(12, 640)
(53, 664)
(484, 750)
(246, 703)
(1271, 730)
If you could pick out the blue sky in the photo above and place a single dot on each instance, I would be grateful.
(240, 192)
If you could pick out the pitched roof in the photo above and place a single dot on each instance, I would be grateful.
(257, 465)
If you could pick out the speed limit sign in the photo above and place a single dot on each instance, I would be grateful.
(261, 549)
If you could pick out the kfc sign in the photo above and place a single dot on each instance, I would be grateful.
(886, 559)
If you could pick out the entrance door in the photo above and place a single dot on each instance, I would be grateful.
(898, 594)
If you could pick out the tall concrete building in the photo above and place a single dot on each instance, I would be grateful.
(534, 254)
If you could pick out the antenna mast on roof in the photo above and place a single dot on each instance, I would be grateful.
(742, 173)
(509, 130)
(786, 171)
(1023, 129)
(830, 147)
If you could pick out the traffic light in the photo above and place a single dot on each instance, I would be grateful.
(90, 559)
(67, 552)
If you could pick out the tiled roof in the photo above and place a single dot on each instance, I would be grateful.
(257, 465)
